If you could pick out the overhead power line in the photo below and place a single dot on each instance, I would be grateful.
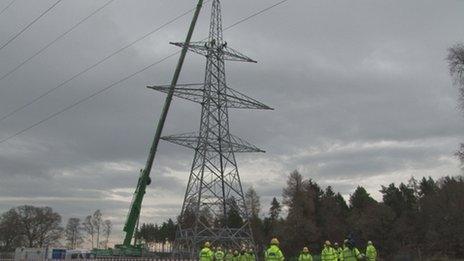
(49, 91)
(254, 14)
(103, 90)
(30, 24)
(53, 115)
(56, 39)
(7, 6)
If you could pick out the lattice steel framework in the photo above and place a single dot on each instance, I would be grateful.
(214, 198)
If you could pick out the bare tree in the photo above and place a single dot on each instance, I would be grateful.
(73, 232)
(107, 226)
(9, 228)
(40, 226)
(89, 229)
(460, 155)
(456, 67)
(252, 202)
(97, 225)
(253, 205)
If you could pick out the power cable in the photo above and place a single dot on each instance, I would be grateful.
(56, 40)
(46, 93)
(7, 6)
(255, 14)
(51, 116)
(30, 24)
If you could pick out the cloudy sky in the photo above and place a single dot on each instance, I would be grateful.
(360, 88)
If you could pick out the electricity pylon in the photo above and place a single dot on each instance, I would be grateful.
(214, 207)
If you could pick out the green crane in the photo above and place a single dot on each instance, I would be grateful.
(144, 178)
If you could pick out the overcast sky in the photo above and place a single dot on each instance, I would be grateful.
(360, 88)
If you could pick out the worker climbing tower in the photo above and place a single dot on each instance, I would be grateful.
(214, 206)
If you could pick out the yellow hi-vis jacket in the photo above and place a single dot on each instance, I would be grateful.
(350, 254)
(371, 253)
(305, 257)
(219, 255)
(328, 254)
(206, 254)
(273, 253)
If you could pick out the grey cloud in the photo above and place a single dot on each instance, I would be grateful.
(361, 72)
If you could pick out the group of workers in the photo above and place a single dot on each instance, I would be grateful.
(209, 253)
(346, 252)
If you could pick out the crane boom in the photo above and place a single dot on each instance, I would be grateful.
(144, 178)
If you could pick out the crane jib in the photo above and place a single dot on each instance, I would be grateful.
(144, 178)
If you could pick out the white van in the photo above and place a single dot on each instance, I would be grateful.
(79, 254)
(52, 254)
(30, 254)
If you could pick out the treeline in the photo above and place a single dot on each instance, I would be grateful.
(29, 226)
(154, 233)
(419, 219)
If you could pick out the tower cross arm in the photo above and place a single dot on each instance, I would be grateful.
(206, 48)
(195, 92)
(192, 92)
(193, 141)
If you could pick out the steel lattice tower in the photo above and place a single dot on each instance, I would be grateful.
(214, 205)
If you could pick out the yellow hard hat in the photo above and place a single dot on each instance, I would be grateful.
(207, 244)
(274, 241)
(327, 243)
(305, 249)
